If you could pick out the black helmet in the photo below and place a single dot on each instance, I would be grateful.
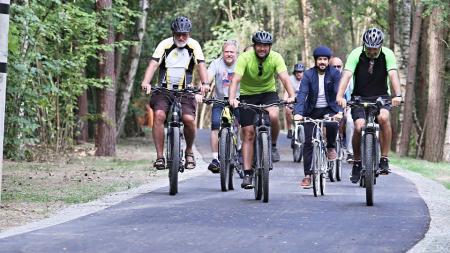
(373, 38)
(322, 51)
(299, 68)
(262, 37)
(181, 24)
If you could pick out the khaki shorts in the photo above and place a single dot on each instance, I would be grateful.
(161, 101)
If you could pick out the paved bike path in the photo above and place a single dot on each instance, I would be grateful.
(202, 219)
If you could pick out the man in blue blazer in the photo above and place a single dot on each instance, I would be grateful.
(315, 99)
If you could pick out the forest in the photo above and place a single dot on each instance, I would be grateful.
(75, 67)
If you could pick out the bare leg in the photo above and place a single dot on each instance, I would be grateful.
(158, 132)
(385, 133)
(247, 146)
(214, 141)
(189, 131)
(359, 124)
(274, 122)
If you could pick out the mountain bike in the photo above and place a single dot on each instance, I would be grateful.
(297, 141)
(319, 165)
(228, 144)
(262, 159)
(370, 143)
(174, 125)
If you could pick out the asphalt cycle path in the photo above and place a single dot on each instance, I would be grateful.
(201, 218)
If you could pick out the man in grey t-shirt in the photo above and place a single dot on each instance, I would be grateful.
(221, 70)
(296, 79)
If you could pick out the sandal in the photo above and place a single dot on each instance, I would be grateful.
(189, 163)
(160, 163)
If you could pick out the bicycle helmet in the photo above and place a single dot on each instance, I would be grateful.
(299, 67)
(373, 38)
(262, 37)
(322, 51)
(181, 24)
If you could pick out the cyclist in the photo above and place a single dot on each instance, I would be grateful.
(336, 62)
(296, 78)
(315, 99)
(371, 65)
(255, 71)
(175, 57)
(221, 70)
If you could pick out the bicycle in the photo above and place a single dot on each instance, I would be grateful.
(262, 159)
(370, 143)
(335, 166)
(319, 165)
(174, 125)
(297, 142)
(228, 145)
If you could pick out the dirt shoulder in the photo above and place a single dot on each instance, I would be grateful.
(36, 190)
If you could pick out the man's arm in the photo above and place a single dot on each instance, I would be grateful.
(284, 77)
(343, 84)
(395, 86)
(232, 90)
(149, 72)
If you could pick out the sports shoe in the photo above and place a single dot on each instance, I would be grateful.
(275, 155)
(247, 181)
(331, 153)
(214, 166)
(289, 134)
(349, 157)
(384, 166)
(356, 172)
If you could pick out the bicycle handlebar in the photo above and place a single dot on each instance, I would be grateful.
(253, 106)
(187, 90)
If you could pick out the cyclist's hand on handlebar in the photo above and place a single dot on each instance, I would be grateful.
(396, 101)
(298, 117)
(205, 89)
(338, 116)
(290, 99)
(146, 87)
(341, 101)
(198, 98)
(233, 102)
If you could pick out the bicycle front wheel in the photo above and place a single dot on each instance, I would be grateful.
(315, 169)
(265, 162)
(224, 158)
(340, 153)
(174, 158)
(369, 164)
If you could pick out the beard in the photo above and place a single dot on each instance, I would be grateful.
(179, 43)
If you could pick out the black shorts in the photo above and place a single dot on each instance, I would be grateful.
(247, 116)
(360, 113)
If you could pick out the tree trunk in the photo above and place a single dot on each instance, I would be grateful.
(446, 156)
(118, 60)
(391, 24)
(134, 55)
(282, 19)
(435, 110)
(83, 136)
(306, 10)
(106, 127)
(410, 80)
(4, 24)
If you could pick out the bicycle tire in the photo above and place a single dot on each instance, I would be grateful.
(315, 169)
(257, 184)
(224, 158)
(331, 170)
(322, 183)
(174, 157)
(233, 160)
(265, 162)
(340, 151)
(369, 163)
(297, 153)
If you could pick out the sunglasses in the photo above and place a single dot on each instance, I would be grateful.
(337, 66)
(260, 69)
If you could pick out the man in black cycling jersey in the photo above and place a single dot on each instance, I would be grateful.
(315, 99)
(176, 57)
(255, 71)
(371, 65)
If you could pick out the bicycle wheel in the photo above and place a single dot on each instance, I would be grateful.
(315, 169)
(265, 162)
(369, 164)
(174, 157)
(331, 170)
(224, 158)
(234, 163)
(322, 183)
(340, 152)
(297, 152)
(258, 184)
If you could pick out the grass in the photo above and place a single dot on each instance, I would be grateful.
(439, 172)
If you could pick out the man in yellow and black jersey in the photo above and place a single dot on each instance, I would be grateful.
(176, 58)
(371, 65)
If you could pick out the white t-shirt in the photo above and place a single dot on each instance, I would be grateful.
(295, 83)
(321, 99)
(222, 77)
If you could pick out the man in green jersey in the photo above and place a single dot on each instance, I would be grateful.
(371, 65)
(255, 71)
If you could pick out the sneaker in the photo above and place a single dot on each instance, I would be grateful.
(384, 166)
(247, 181)
(306, 183)
(331, 153)
(214, 166)
(275, 155)
(289, 134)
(349, 157)
(356, 172)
